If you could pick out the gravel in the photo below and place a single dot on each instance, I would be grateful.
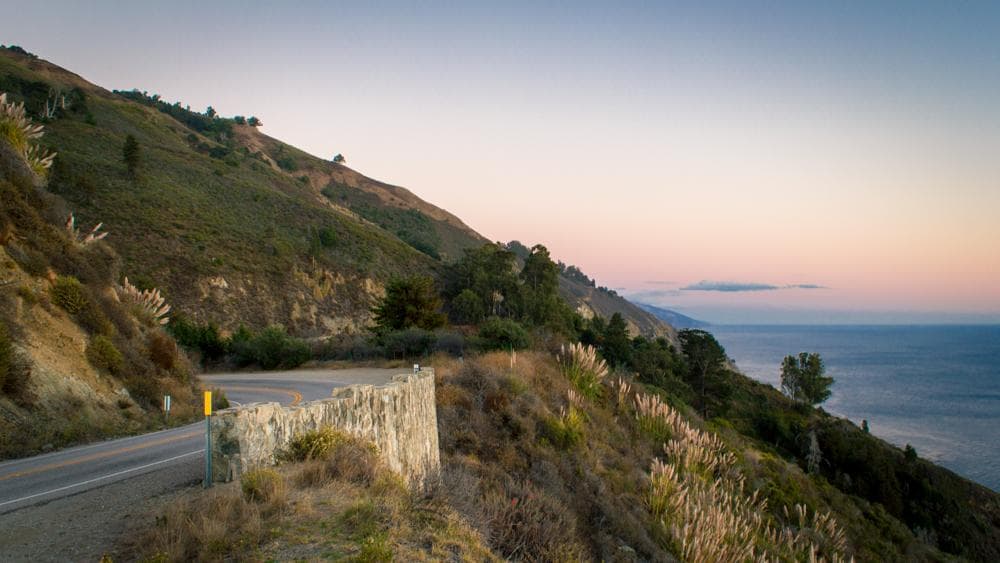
(88, 525)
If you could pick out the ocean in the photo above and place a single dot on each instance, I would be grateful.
(934, 387)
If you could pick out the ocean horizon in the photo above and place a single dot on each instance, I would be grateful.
(935, 387)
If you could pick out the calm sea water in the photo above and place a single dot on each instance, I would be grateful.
(935, 387)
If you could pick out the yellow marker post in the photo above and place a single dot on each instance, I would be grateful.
(208, 439)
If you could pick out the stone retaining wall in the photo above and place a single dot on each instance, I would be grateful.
(400, 418)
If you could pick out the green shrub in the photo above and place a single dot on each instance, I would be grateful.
(287, 163)
(94, 320)
(375, 549)
(204, 338)
(409, 343)
(262, 485)
(315, 444)
(566, 430)
(68, 293)
(272, 348)
(219, 399)
(502, 334)
(103, 354)
(466, 308)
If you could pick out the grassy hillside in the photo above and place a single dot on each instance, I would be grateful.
(237, 227)
(226, 236)
(80, 359)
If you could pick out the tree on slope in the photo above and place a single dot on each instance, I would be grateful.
(131, 154)
(706, 363)
(408, 303)
(803, 378)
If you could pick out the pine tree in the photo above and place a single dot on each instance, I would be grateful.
(131, 154)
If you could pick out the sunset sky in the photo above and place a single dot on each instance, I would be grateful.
(709, 157)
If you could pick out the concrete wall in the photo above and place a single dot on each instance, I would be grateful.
(400, 418)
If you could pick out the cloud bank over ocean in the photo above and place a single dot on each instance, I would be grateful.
(732, 287)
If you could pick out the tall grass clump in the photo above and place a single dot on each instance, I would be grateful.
(148, 304)
(566, 430)
(705, 512)
(263, 486)
(585, 370)
(653, 416)
(17, 130)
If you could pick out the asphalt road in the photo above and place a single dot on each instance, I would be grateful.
(176, 452)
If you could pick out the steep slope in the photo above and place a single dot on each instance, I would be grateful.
(227, 238)
(235, 226)
(79, 359)
(590, 301)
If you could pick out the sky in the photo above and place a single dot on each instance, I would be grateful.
(741, 162)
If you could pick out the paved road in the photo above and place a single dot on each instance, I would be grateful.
(47, 477)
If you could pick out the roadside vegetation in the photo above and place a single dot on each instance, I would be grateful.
(537, 465)
(331, 500)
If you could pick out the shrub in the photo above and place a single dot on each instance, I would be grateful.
(103, 354)
(527, 523)
(375, 549)
(566, 430)
(219, 399)
(314, 444)
(162, 350)
(68, 293)
(15, 368)
(204, 338)
(145, 390)
(409, 343)
(271, 348)
(502, 334)
(287, 163)
(262, 485)
(451, 343)
(93, 319)
(467, 308)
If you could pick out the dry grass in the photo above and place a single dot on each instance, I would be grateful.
(699, 497)
(547, 473)
(346, 507)
(347, 459)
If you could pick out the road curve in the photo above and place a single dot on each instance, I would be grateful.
(44, 478)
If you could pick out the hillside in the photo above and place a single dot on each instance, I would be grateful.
(673, 318)
(235, 226)
(82, 356)
(556, 459)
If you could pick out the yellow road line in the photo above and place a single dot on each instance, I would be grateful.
(99, 455)
(296, 399)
